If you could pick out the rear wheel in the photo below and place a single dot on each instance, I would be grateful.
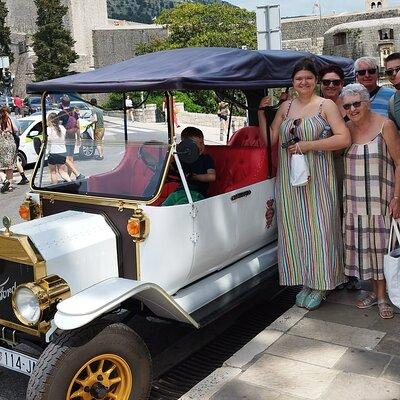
(22, 158)
(96, 362)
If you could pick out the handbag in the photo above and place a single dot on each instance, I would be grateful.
(391, 264)
(299, 169)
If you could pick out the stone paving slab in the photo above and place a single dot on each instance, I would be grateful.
(256, 346)
(392, 371)
(239, 390)
(390, 344)
(346, 315)
(358, 387)
(307, 350)
(338, 334)
(288, 376)
(363, 362)
(212, 384)
(346, 297)
(288, 319)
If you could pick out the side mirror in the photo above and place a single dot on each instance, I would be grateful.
(33, 133)
(187, 151)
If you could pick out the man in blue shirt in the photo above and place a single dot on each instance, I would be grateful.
(367, 73)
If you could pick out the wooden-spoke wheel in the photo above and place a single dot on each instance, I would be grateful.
(107, 376)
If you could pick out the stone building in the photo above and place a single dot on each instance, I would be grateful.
(98, 40)
(374, 32)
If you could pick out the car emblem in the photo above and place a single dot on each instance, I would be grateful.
(5, 293)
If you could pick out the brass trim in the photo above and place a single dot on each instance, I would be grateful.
(144, 225)
(48, 292)
(21, 328)
(18, 248)
(138, 261)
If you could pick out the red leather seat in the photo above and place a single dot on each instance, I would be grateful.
(248, 136)
(129, 178)
(237, 167)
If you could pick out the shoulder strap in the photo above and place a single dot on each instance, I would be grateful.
(391, 108)
(288, 109)
(320, 107)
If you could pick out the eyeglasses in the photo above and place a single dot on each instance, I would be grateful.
(334, 82)
(356, 104)
(392, 71)
(362, 72)
(295, 139)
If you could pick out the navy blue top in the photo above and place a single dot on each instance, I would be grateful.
(201, 166)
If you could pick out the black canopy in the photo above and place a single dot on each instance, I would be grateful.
(191, 68)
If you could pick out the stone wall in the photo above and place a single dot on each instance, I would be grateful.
(21, 16)
(82, 18)
(314, 27)
(313, 45)
(115, 45)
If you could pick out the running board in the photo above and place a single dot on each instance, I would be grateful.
(214, 295)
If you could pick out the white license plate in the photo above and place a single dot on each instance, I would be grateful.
(16, 361)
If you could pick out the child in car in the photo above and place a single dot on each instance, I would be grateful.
(198, 174)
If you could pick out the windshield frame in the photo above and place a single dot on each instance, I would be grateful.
(119, 202)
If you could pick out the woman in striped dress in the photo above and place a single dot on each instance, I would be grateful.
(371, 193)
(309, 241)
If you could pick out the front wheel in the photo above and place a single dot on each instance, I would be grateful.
(95, 362)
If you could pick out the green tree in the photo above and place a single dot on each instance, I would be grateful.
(5, 32)
(205, 25)
(52, 43)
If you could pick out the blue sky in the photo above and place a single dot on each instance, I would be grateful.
(304, 7)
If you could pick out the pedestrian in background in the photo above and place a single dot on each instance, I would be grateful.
(392, 71)
(98, 119)
(129, 107)
(367, 73)
(371, 194)
(18, 105)
(8, 150)
(223, 114)
(57, 150)
(16, 133)
(69, 119)
(310, 251)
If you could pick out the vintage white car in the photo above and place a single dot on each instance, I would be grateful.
(95, 246)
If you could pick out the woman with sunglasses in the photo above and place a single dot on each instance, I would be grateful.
(310, 249)
(371, 193)
(392, 71)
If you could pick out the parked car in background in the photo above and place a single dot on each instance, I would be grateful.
(83, 109)
(32, 127)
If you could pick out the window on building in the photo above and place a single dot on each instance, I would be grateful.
(379, 4)
(386, 34)
(22, 47)
(373, 5)
(339, 38)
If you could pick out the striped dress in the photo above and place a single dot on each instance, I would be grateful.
(310, 249)
(368, 190)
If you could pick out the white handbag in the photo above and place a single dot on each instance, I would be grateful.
(391, 264)
(299, 170)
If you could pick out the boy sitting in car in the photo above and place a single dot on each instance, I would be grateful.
(198, 174)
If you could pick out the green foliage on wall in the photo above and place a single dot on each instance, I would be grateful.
(5, 32)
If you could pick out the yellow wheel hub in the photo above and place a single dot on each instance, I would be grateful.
(106, 377)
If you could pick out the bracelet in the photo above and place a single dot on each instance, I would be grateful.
(396, 197)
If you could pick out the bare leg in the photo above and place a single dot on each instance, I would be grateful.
(63, 171)
(69, 162)
(53, 174)
(9, 176)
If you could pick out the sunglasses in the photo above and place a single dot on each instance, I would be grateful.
(295, 139)
(356, 104)
(334, 82)
(362, 72)
(392, 71)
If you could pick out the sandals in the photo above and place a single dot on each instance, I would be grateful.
(368, 301)
(385, 311)
(314, 299)
(6, 186)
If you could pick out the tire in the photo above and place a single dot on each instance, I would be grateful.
(87, 149)
(58, 369)
(22, 158)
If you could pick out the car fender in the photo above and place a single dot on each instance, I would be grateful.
(105, 296)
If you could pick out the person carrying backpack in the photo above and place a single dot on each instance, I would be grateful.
(69, 119)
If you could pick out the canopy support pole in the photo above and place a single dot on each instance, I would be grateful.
(125, 119)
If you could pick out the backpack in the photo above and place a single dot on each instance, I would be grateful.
(72, 122)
